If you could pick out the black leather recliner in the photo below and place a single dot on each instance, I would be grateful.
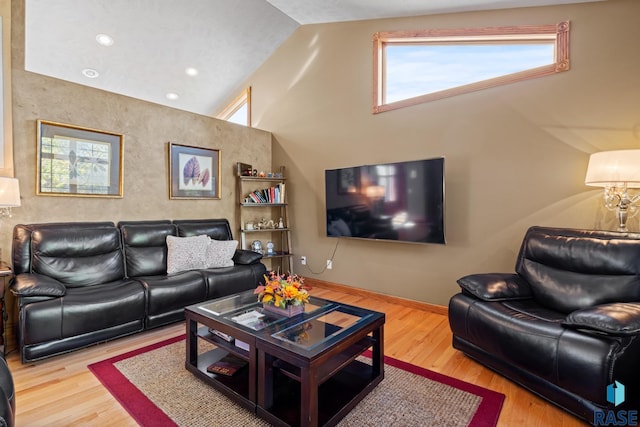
(566, 324)
(7, 395)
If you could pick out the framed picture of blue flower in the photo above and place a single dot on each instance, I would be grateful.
(194, 172)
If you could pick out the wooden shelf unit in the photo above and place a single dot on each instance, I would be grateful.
(251, 212)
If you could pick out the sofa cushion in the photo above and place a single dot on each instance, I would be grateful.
(614, 319)
(570, 270)
(80, 256)
(186, 253)
(166, 294)
(246, 257)
(21, 245)
(83, 310)
(220, 253)
(218, 229)
(145, 246)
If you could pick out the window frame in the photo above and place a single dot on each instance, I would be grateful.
(558, 32)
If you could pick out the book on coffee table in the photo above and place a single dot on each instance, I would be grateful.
(228, 365)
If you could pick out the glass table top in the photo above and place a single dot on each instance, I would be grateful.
(320, 323)
(319, 328)
(244, 309)
(231, 303)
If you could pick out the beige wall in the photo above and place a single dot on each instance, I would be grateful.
(515, 155)
(147, 128)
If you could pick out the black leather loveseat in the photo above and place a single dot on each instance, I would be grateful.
(78, 284)
(566, 324)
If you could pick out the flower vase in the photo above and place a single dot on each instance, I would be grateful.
(288, 311)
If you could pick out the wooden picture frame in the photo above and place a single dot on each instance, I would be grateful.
(194, 172)
(78, 161)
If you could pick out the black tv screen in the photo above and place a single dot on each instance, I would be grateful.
(401, 201)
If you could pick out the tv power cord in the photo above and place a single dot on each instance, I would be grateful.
(330, 259)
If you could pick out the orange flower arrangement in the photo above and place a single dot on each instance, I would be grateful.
(282, 291)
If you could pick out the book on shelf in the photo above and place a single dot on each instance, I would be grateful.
(268, 195)
(227, 366)
(243, 345)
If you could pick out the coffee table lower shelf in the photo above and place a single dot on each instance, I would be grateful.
(337, 396)
(235, 387)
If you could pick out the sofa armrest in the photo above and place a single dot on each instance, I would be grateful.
(246, 257)
(496, 286)
(37, 285)
(620, 318)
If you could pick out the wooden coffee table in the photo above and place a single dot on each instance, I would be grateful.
(302, 370)
(308, 374)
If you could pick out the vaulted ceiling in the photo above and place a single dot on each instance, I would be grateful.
(224, 41)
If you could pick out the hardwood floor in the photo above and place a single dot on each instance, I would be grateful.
(61, 391)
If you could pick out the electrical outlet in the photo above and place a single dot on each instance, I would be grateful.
(329, 264)
(303, 260)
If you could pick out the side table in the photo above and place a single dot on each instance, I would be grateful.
(6, 273)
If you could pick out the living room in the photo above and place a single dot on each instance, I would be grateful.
(516, 154)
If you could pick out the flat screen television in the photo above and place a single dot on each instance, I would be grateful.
(401, 201)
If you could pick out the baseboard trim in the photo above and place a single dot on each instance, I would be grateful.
(433, 308)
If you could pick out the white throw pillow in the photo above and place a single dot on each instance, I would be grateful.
(220, 253)
(186, 253)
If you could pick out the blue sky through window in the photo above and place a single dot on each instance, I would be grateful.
(414, 70)
(240, 116)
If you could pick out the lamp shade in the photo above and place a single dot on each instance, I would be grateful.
(611, 168)
(9, 192)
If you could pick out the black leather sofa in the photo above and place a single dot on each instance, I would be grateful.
(566, 324)
(83, 283)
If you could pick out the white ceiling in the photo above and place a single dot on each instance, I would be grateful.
(225, 40)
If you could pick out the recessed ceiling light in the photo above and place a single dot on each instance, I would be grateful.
(191, 71)
(104, 39)
(91, 73)
(172, 96)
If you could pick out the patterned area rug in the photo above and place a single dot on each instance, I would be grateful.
(153, 385)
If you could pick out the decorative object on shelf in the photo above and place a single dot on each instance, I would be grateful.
(9, 195)
(285, 292)
(194, 173)
(91, 158)
(270, 250)
(249, 226)
(266, 224)
(617, 171)
(256, 246)
(243, 169)
(280, 223)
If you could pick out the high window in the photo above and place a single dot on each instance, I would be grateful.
(239, 111)
(411, 67)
